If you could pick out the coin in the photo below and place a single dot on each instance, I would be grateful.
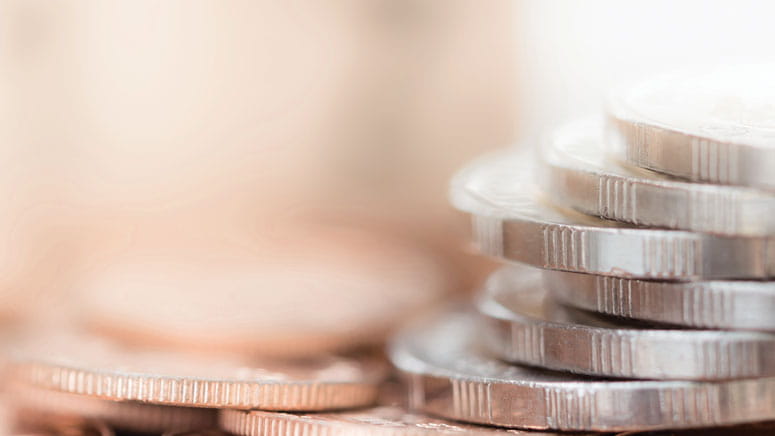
(577, 174)
(512, 222)
(86, 365)
(450, 375)
(390, 417)
(525, 326)
(707, 125)
(380, 421)
(35, 404)
(745, 305)
(297, 294)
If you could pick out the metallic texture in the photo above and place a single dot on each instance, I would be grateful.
(89, 366)
(379, 421)
(449, 375)
(745, 305)
(525, 326)
(511, 221)
(709, 126)
(575, 173)
(192, 392)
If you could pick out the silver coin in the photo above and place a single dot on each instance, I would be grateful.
(527, 327)
(511, 221)
(449, 375)
(744, 305)
(714, 126)
(577, 174)
(379, 421)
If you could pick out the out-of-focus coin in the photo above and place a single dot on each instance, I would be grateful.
(315, 289)
(89, 366)
(709, 125)
(34, 405)
(758, 429)
(577, 174)
(381, 421)
(525, 326)
(745, 305)
(511, 221)
(449, 375)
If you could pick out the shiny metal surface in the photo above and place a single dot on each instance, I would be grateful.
(525, 326)
(712, 126)
(89, 366)
(512, 222)
(745, 305)
(576, 173)
(450, 375)
(380, 421)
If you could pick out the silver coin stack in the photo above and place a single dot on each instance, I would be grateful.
(639, 248)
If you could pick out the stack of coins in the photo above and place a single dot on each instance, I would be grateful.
(639, 300)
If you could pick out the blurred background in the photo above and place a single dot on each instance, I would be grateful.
(179, 127)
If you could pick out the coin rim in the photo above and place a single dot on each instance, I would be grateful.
(577, 245)
(619, 350)
(198, 391)
(583, 405)
(263, 423)
(664, 148)
(708, 304)
(610, 191)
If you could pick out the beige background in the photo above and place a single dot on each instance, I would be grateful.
(166, 121)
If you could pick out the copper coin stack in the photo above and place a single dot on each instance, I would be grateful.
(639, 249)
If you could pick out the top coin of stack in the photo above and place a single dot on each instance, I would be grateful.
(709, 126)
(660, 215)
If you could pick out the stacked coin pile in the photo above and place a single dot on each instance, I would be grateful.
(644, 243)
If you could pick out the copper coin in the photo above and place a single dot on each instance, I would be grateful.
(381, 421)
(91, 366)
(317, 289)
(390, 418)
